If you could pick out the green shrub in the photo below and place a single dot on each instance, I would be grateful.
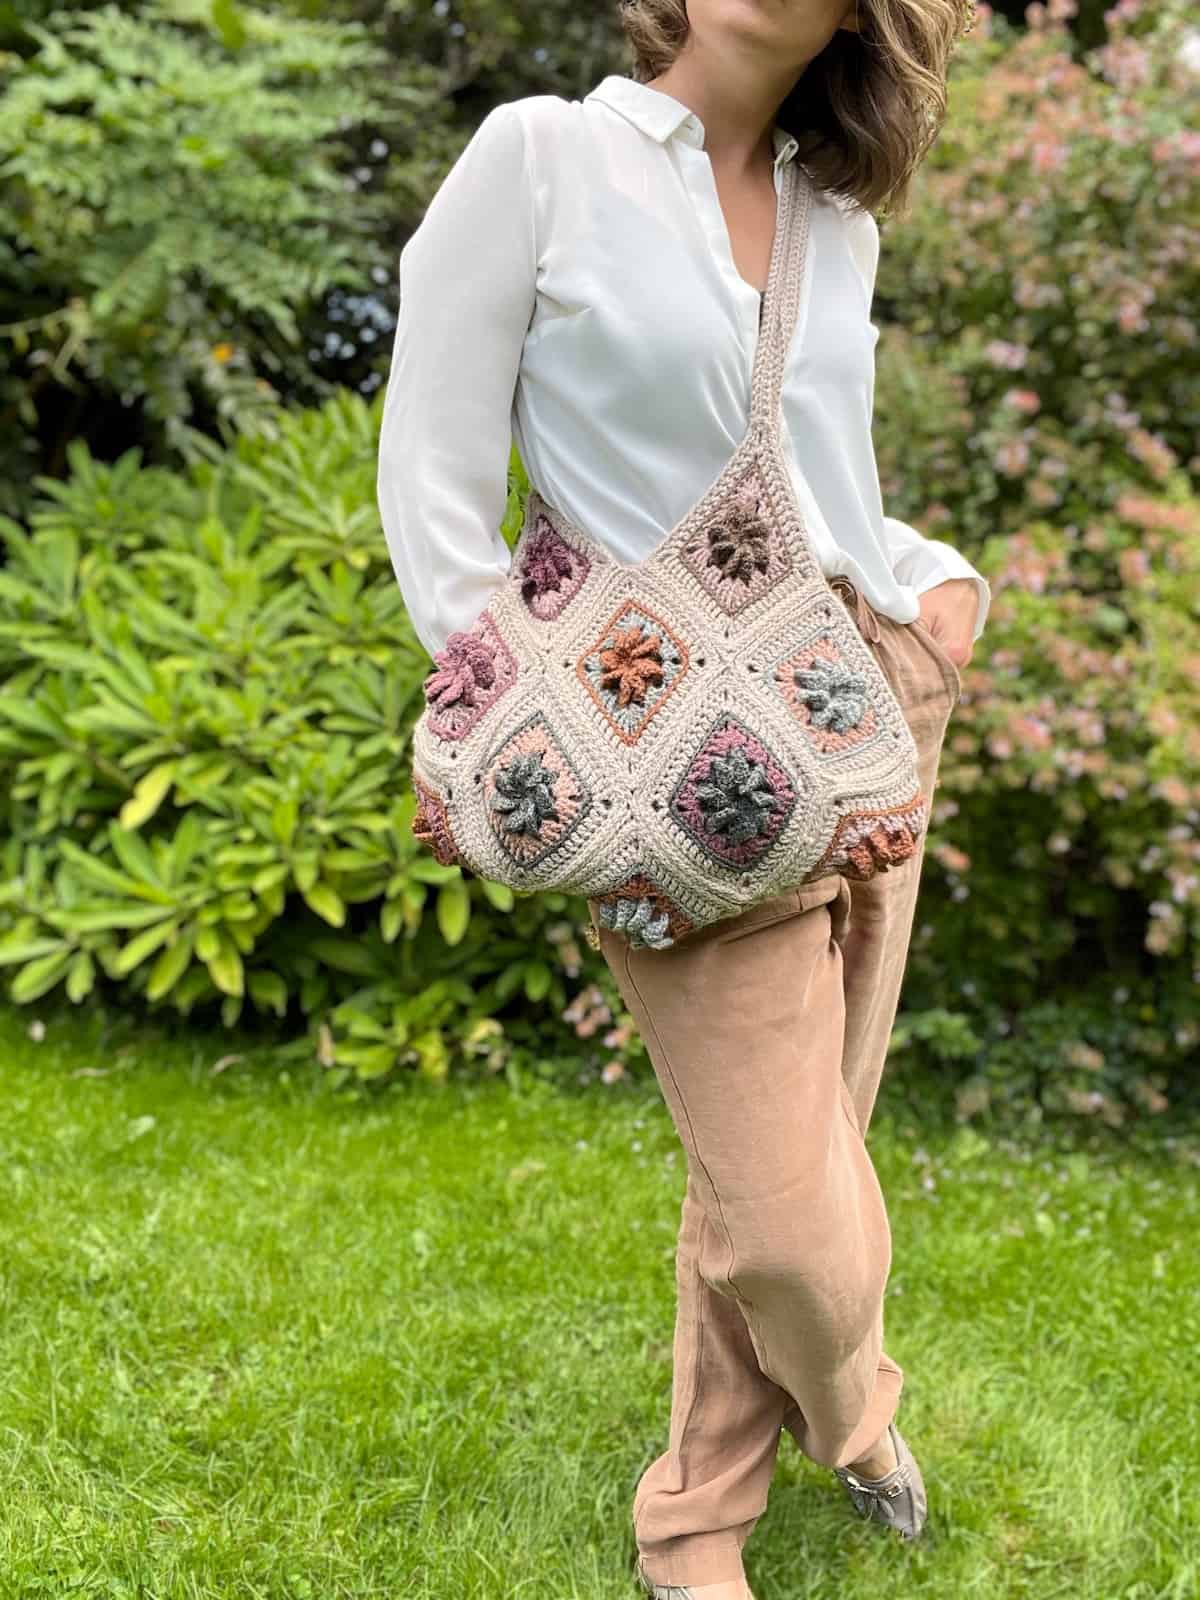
(173, 207)
(207, 684)
(1037, 405)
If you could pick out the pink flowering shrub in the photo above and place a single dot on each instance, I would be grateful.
(1036, 405)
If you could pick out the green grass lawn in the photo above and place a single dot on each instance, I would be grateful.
(264, 1340)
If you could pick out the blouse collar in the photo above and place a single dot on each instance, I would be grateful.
(662, 116)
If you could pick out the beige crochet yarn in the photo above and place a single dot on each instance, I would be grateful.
(681, 737)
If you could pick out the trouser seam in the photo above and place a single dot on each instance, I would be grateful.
(699, 1356)
(743, 1302)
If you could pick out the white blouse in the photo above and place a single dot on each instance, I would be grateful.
(572, 285)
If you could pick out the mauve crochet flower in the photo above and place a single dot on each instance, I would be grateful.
(547, 565)
(464, 666)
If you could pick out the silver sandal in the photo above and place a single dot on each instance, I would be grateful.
(898, 1498)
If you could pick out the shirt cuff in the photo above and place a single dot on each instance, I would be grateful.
(924, 563)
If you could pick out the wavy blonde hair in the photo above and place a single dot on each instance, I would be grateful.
(866, 110)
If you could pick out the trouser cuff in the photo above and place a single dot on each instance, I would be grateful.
(698, 1558)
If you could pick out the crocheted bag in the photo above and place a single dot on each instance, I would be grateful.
(682, 737)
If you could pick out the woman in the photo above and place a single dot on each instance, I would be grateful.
(589, 279)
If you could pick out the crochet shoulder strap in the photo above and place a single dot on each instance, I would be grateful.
(781, 299)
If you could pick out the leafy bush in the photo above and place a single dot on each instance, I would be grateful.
(1037, 404)
(173, 205)
(208, 683)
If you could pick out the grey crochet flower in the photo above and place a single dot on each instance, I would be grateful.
(636, 920)
(737, 798)
(525, 791)
(836, 696)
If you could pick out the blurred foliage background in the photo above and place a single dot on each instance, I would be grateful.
(207, 679)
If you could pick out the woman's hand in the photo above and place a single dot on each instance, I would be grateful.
(949, 611)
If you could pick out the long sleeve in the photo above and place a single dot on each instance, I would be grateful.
(467, 294)
(918, 562)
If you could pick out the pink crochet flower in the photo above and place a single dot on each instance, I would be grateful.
(464, 669)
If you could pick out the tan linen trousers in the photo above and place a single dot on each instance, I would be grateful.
(768, 1032)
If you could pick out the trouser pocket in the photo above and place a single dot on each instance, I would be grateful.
(832, 891)
(946, 663)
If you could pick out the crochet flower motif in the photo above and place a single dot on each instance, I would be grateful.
(464, 669)
(739, 544)
(737, 799)
(836, 697)
(631, 664)
(430, 826)
(636, 920)
(525, 794)
(547, 566)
